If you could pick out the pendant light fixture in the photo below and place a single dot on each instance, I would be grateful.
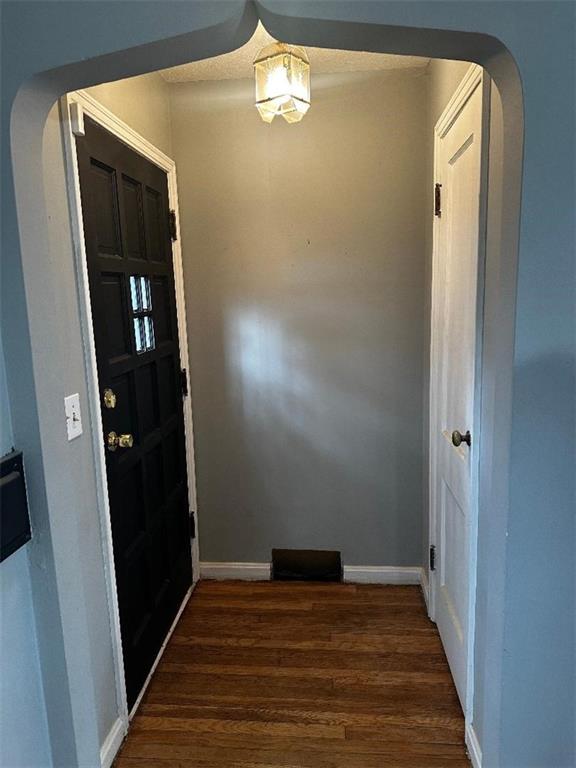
(282, 82)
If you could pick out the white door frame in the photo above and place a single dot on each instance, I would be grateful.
(73, 108)
(474, 78)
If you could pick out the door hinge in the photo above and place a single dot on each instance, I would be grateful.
(437, 200)
(172, 225)
(184, 382)
(192, 525)
(432, 557)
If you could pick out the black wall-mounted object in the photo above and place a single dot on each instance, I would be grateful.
(14, 517)
(306, 565)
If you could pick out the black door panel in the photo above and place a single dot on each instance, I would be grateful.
(129, 252)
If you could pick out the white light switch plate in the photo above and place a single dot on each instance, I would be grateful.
(73, 416)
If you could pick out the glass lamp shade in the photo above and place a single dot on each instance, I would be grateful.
(282, 82)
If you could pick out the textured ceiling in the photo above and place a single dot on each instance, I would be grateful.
(238, 63)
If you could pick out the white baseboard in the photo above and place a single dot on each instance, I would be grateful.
(359, 574)
(473, 746)
(241, 571)
(112, 742)
(382, 574)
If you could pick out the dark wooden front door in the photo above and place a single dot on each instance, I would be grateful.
(129, 252)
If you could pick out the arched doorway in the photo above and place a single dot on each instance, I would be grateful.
(64, 544)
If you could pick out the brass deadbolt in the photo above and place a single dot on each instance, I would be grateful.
(114, 441)
(109, 398)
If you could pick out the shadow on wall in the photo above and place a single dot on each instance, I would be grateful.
(309, 444)
(304, 255)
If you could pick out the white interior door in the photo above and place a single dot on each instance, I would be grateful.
(458, 165)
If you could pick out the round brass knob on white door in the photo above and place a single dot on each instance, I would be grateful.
(114, 441)
(458, 438)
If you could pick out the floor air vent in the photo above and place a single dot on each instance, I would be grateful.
(306, 565)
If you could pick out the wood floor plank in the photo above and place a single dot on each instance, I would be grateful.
(249, 666)
(185, 743)
(276, 750)
(283, 675)
(447, 728)
(305, 641)
(245, 727)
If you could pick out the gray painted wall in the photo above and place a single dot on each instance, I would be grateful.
(23, 728)
(444, 76)
(142, 102)
(304, 266)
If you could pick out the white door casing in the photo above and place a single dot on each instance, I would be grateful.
(73, 108)
(459, 161)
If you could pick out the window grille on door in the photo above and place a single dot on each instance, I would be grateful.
(141, 297)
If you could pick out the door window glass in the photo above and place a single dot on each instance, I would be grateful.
(141, 298)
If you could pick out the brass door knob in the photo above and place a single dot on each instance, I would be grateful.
(114, 441)
(458, 438)
(109, 398)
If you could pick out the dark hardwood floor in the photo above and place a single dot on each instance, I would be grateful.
(288, 675)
